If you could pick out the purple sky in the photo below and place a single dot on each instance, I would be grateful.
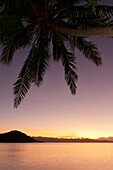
(51, 110)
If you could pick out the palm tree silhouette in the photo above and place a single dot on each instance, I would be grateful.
(50, 24)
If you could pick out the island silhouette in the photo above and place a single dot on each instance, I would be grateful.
(16, 136)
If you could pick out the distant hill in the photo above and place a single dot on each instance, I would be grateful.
(110, 138)
(84, 140)
(15, 137)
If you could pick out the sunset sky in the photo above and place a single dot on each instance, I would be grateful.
(51, 110)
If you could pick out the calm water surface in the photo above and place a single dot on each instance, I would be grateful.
(56, 156)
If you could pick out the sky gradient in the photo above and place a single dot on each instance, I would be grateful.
(51, 110)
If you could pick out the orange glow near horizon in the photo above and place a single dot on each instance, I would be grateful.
(89, 135)
(61, 134)
(65, 132)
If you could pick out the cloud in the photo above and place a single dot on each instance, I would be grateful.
(70, 135)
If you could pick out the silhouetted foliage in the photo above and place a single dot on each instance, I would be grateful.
(34, 23)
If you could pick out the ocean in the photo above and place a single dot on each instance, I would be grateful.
(56, 156)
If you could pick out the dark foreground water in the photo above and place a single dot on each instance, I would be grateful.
(56, 156)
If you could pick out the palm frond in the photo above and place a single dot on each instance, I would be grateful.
(24, 36)
(104, 11)
(42, 60)
(20, 39)
(101, 11)
(8, 52)
(57, 50)
(25, 78)
(89, 50)
(33, 71)
(68, 61)
(8, 25)
(81, 17)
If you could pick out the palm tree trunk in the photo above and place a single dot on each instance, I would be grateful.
(102, 31)
(106, 31)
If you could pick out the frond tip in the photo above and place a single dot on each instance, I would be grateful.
(68, 61)
(22, 85)
(88, 49)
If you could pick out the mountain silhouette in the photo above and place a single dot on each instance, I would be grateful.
(16, 137)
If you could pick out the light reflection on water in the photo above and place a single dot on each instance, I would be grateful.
(56, 156)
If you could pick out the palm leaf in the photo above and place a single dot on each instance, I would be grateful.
(57, 50)
(68, 61)
(80, 11)
(8, 52)
(42, 60)
(89, 50)
(32, 71)
(81, 17)
(22, 85)
(20, 39)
